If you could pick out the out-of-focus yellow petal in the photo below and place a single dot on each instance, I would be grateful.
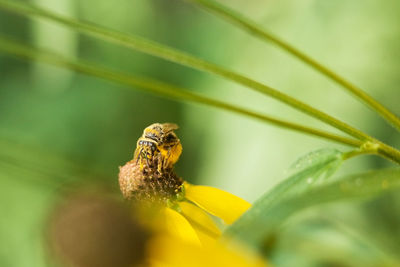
(167, 252)
(217, 202)
(204, 226)
(156, 263)
(178, 227)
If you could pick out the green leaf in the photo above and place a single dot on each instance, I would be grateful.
(310, 168)
(321, 163)
(256, 226)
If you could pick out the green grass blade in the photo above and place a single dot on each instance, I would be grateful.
(258, 31)
(34, 165)
(256, 225)
(158, 88)
(167, 53)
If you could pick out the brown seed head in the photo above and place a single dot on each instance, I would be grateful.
(148, 184)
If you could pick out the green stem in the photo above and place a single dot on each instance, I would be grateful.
(375, 148)
(159, 88)
(155, 49)
(258, 31)
(355, 153)
(388, 152)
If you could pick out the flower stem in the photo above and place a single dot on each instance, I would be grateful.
(376, 148)
(160, 88)
(168, 53)
(388, 152)
(258, 31)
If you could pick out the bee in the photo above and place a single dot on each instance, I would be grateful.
(158, 147)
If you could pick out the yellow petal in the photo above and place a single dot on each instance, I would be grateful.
(217, 202)
(167, 252)
(178, 227)
(156, 263)
(204, 226)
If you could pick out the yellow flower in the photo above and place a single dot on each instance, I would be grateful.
(187, 218)
(183, 204)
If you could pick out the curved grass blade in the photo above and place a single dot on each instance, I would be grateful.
(155, 49)
(33, 165)
(258, 31)
(159, 88)
(257, 224)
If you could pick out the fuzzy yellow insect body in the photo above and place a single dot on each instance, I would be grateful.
(158, 147)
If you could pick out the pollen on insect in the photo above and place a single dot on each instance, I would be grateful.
(158, 147)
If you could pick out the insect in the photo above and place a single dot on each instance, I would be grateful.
(158, 147)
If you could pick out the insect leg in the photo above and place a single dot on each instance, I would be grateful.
(147, 159)
(159, 162)
(166, 160)
(138, 154)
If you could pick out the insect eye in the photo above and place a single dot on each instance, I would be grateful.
(169, 138)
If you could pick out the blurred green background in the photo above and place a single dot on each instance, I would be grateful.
(58, 127)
